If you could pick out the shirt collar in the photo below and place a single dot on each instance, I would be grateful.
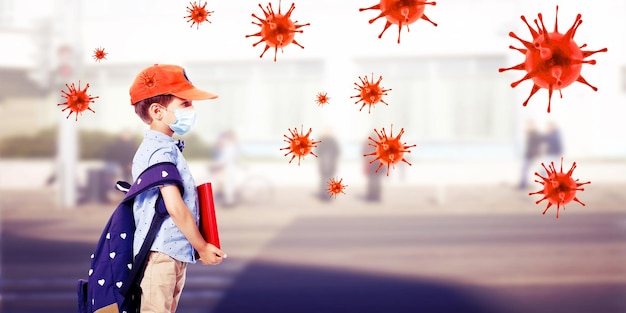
(161, 137)
(158, 136)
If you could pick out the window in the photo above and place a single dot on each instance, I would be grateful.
(623, 74)
(447, 99)
(6, 12)
(262, 100)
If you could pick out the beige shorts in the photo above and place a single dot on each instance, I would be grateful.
(162, 283)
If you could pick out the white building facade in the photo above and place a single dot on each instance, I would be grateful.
(446, 91)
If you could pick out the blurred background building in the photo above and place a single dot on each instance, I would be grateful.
(446, 89)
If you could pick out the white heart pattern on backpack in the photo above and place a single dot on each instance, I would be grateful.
(108, 235)
(164, 174)
(138, 181)
(90, 272)
(112, 255)
(101, 282)
(118, 284)
(123, 235)
(130, 266)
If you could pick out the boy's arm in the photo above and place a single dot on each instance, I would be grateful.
(184, 220)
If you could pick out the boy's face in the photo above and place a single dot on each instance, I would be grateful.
(177, 103)
(162, 117)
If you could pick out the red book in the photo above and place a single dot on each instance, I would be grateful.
(208, 222)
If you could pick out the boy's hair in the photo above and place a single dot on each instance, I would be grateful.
(142, 106)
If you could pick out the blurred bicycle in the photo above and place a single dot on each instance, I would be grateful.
(246, 186)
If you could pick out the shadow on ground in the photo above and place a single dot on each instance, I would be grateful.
(40, 275)
(266, 287)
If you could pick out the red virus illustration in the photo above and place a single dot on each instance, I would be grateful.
(197, 14)
(400, 12)
(277, 30)
(335, 187)
(389, 150)
(558, 188)
(370, 93)
(77, 100)
(322, 98)
(299, 144)
(148, 80)
(99, 54)
(553, 60)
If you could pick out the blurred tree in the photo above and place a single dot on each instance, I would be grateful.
(39, 145)
(93, 145)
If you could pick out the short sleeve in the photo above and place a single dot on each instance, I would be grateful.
(161, 155)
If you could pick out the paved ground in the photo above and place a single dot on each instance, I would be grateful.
(462, 249)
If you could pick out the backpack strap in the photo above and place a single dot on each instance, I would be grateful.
(159, 174)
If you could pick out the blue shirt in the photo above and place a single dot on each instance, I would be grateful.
(156, 148)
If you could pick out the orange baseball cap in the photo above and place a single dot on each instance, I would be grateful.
(165, 79)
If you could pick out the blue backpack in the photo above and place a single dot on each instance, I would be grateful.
(114, 276)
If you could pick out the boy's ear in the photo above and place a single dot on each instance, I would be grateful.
(156, 111)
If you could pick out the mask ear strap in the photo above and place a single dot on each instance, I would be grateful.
(176, 118)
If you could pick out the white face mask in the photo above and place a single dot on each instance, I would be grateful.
(185, 120)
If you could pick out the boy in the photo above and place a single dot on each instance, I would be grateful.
(162, 96)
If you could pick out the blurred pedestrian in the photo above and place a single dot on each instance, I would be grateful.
(119, 156)
(373, 186)
(226, 167)
(532, 150)
(328, 154)
(553, 144)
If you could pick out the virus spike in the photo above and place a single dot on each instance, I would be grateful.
(588, 53)
(550, 89)
(300, 145)
(558, 188)
(556, 20)
(335, 187)
(388, 150)
(197, 14)
(576, 199)
(529, 45)
(523, 51)
(532, 30)
(532, 92)
(572, 31)
(424, 17)
(277, 30)
(543, 30)
(516, 67)
(295, 43)
(552, 60)
(374, 7)
(77, 100)
(99, 54)
(370, 93)
(400, 12)
(387, 25)
(581, 79)
(322, 98)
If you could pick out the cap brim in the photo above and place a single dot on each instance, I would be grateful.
(195, 94)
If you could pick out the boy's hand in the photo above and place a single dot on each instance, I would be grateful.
(181, 215)
(211, 255)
